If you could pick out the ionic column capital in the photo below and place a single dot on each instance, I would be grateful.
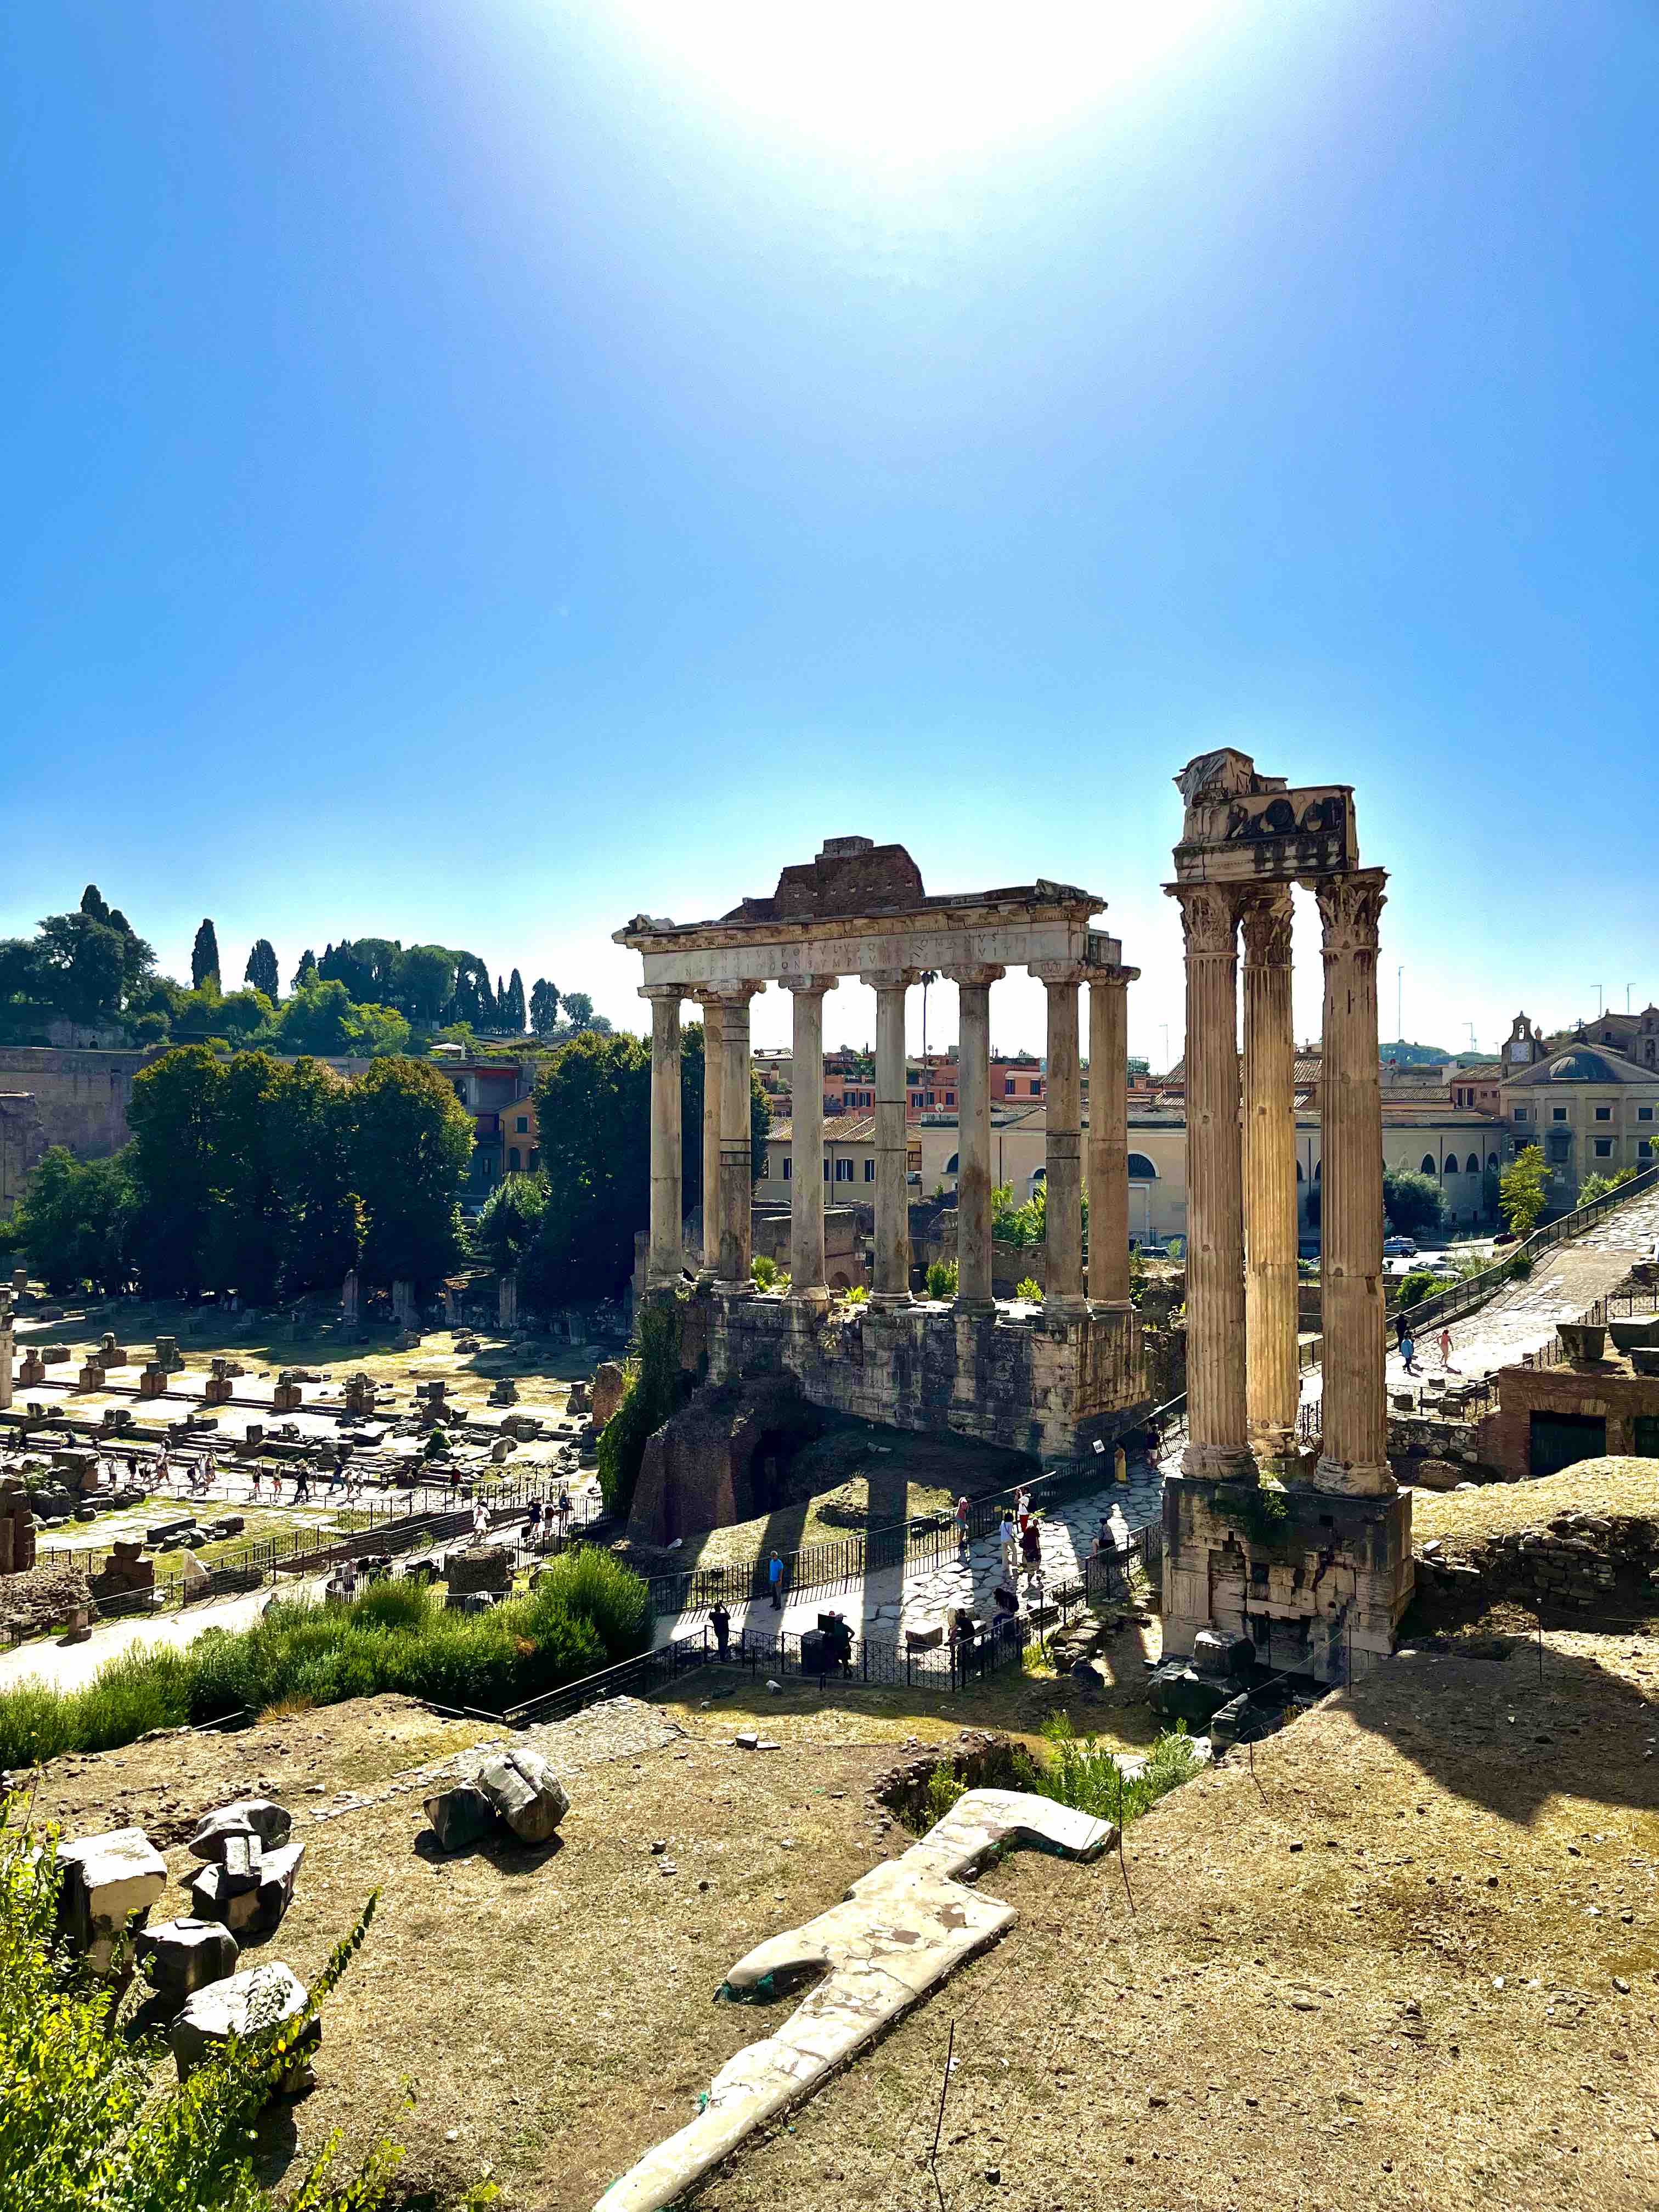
(1266, 924)
(667, 994)
(1059, 973)
(974, 976)
(1350, 908)
(1113, 977)
(810, 985)
(889, 978)
(1209, 918)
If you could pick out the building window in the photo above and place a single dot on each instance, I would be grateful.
(1474, 1167)
(1491, 1162)
(1604, 1148)
(522, 1125)
(1007, 1087)
(843, 1171)
(1644, 1148)
(1428, 1166)
(785, 1170)
(535, 1157)
(1559, 1112)
(1519, 1113)
(950, 1098)
(826, 1171)
(869, 1171)
(513, 1160)
(1036, 1087)
(1644, 1113)
(1448, 1166)
(1604, 1112)
(1141, 1169)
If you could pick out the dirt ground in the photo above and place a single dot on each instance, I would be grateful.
(1413, 1959)
(1464, 1518)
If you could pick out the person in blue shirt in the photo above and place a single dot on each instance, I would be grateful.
(775, 1577)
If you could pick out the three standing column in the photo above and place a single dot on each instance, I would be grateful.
(735, 1179)
(662, 1269)
(1272, 1383)
(1063, 1145)
(973, 1295)
(806, 1142)
(1108, 1175)
(1217, 1423)
(1355, 1455)
(892, 1253)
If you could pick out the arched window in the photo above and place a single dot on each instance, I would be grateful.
(1141, 1169)
(951, 1164)
(1450, 1167)
(1492, 1160)
(1318, 1164)
(1299, 1175)
(1474, 1164)
(1428, 1166)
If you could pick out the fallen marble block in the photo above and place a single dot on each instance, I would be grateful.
(180, 1956)
(249, 1816)
(109, 1884)
(459, 1816)
(525, 1792)
(259, 1998)
(217, 1893)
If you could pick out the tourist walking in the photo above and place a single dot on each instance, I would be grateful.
(480, 1520)
(564, 1511)
(534, 1525)
(1408, 1352)
(961, 1525)
(1030, 1548)
(774, 1581)
(721, 1621)
(1006, 1538)
(1445, 1349)
(1120, 1465)
(301, 1485)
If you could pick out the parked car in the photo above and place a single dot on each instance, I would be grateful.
(1156, 1252)
(1398, 1248)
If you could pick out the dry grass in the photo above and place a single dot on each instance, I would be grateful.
(1243, 2036)
(1465, 1518)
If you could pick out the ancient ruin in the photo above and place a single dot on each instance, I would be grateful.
(860, 909)
(1321, 1568)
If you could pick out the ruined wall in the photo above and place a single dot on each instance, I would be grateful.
(1578, 1561)
(81, 1095)
(1607, 1392)
(1022, 1383)
(1309, 1577)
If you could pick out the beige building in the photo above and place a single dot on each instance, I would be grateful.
(1594, 1113)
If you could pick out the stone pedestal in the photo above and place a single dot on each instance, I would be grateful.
(507, 1300)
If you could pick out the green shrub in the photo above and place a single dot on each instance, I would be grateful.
(1080, 1771)
(596, 1587)
(857, 1295)
(763, 1269)
(1520, 1268)
(1419, 1284)
(90, 2118)
(651, 1393)
(1031, 1290)
(942, 1279)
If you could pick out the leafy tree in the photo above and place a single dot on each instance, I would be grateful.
(261, 970)
(593, 1105)
(242, 1015)
(174, 1116)
(204, 957)
(579, 1010)
(424, 981)
(367, 967)
(76, 1222)
(472, 1001)
(317, 1020)
(377, 1032)
(307, 973)
(1412, 1202)
(652, 1390)
(508, 1222)
(248, 1221)
(411, 1140)
(544, 1008)
(310, 1152)
(513, 1007)
(1524, 1190)
(942, 1278)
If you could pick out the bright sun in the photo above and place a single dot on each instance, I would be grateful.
(910, 81)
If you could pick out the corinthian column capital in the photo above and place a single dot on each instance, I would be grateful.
(1350, 907)
(1267, 922)
(978, 976)
(1209, 918)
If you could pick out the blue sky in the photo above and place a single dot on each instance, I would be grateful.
(477, 473)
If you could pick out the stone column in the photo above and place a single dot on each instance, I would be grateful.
(7, 1348)
(1217, 1425)
(714, 1060)
(736, 1181)
(806, 1141)
(1109, 1135)
(1063, 1147)
(1273, 1384)
(892, 1253)
(1355, 1455)
(973, 984)
(662, 1267)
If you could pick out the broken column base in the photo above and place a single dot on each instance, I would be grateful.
(1317, 1581)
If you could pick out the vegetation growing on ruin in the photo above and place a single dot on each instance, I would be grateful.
(1261, 1510)
(651, 1392)
(587, 1612)
(87, 2116)
(1077, 1771)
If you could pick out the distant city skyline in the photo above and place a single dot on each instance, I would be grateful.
(476, 475)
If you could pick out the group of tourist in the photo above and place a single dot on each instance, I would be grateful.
(1408, 1348)
(1021, 1542)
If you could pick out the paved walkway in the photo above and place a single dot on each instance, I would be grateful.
(72, 1666)
(882, 1606)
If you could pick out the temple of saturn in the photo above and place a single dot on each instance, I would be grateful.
(1321, 1568)
(1043, 1385)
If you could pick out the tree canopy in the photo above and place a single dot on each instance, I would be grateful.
(1412, 1202)
(261, 970)
(205, 956)
(1524, 1190)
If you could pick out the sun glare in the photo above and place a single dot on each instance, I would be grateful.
(909, 81)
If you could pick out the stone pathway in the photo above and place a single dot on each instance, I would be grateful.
(884, 1605)
(72, 1666)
